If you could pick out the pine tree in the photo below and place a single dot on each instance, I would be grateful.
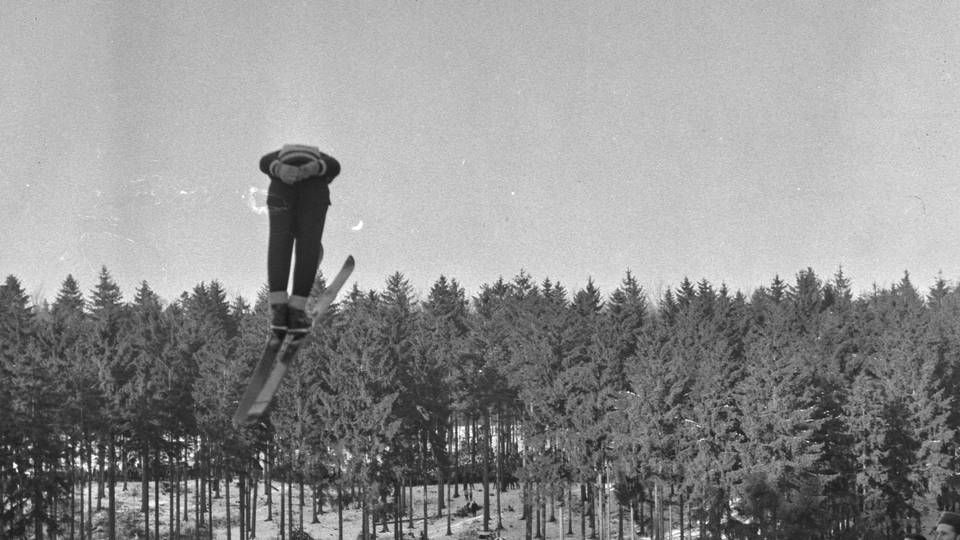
(219, 372)
(81, 401)
(15, 323)
(587, 382)
(111, 355)
(32, 442)
(106, 297)
(357, 398)
(142, 402)
(906, 376)
(69, 303)
(777, 403)
(441, 338)
(708, 345)
(832, 353)
(397, 318)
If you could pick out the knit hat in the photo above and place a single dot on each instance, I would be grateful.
(950, 518)
(298, 154)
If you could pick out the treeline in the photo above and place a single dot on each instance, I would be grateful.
(799, 411)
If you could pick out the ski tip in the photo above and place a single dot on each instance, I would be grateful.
(350, 261)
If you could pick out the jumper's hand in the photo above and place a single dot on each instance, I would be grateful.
(309, 169)
(288, 174)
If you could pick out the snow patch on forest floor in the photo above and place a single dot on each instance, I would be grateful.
(130, 518)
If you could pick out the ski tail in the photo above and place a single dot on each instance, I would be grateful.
(268, 386)
(261, 373)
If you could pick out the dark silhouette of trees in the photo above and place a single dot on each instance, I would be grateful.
(798, 410)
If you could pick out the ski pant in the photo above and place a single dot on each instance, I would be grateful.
(297, 214)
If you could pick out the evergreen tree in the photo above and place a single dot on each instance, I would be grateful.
(777, 403)
(357, 395)
(32, 442)
(902, 383)
(111, 354)
(397, 321)
(710, 338)
(441, 339)
(69, 303)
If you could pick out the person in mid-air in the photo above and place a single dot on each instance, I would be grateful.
(297, 201)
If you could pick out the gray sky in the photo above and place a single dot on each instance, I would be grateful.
(731, 141)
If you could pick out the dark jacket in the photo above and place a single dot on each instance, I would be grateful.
(329, 170)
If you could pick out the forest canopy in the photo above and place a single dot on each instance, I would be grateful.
(796, 409)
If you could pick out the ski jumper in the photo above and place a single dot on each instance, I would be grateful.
(297, 202)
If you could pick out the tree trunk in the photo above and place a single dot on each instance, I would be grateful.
(184, 472)
(396, 513)
(89, 526)
(102, 477)
(680, 499)
(290, 504)
(441, 499)
(174, 489)
(553, 507)
(122, 453)
(214, 481)
(536, 506)
(246, 479)
(339, 505)
(37, 497)
(656, 515)
(455, 435)
(145, 488)
(670, 513)
(583, 511)
(425, 500)
(226, 503)
(112, 501)
(156, 494)
(267, 488)
(83, 486)
(282, 511)
(410, 505)
(486, 468)
(200, 498)
(527, 511)
(73, 491)
(449, 510)
(619, 520)
(364, 531)
(472, 444)
(604, 504)
(542, 501)
(211, 480)
(641, 506)
(499, 458)
(381, 512)
(253, 507)
(3, 494)
(198, 493)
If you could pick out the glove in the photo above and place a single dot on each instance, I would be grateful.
(288, 174)
(309, 169)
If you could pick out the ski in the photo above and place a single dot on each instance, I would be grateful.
(280, 352)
